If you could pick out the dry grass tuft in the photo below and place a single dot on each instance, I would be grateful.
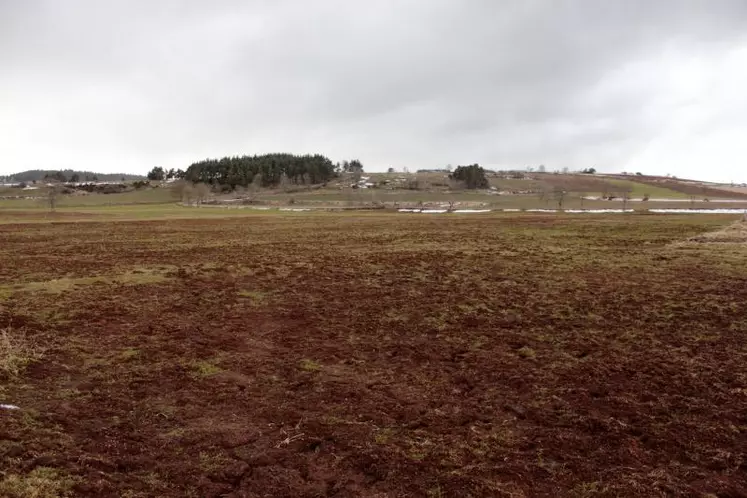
(736, 233)
(42, 482)
(16, 351)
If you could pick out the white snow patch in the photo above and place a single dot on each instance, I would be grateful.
(581, 211)
(599, 211)
(9, 407)
(699, 211)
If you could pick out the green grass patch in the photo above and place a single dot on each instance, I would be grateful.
(205, 368)
(256, 297)
(17, 351)
(42, 482)
(310, 365)
(638, 190)
(213, 462)
(383, 436)
(61, 285)
(129, 354)
(527, 352)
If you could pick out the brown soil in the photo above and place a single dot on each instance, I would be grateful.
(740, 190)
(691, 188)
(378, 355)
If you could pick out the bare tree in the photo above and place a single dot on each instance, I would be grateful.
(201, 192)
(356, 175)
(350, 197)
(183, 191)
(418, 183)
(560, 194)
(544, 194)
(52, 199)
(188, 193)
(285, 182)
(625, 198)
(254, 188)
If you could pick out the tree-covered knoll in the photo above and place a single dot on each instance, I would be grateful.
(272, 168)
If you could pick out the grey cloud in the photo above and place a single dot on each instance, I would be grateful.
(416, 83)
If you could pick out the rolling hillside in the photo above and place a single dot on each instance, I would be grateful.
(39, 174)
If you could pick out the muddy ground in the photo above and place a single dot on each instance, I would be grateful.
(376, 355)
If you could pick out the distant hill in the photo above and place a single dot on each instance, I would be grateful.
(39, 174)
(692, 188)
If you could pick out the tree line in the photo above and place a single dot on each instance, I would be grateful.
(270, 170)
(159, 174)
(68, 175)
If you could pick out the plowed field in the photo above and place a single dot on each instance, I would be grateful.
(375, 355)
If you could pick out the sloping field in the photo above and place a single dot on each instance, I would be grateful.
(144, 196)
(600, 185)
(638, 190)
(373, 355)
(740, 190)
(689, 188)
(577, 183)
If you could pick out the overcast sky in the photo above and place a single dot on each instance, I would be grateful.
(656, 86)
